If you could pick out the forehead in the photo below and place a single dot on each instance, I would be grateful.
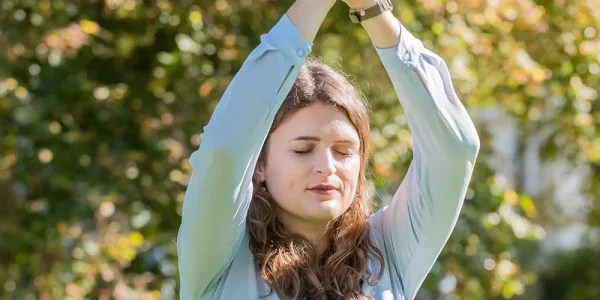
(319, 120)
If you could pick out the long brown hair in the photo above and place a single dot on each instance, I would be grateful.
(289, 263)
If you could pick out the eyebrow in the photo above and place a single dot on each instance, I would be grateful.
(316, 139)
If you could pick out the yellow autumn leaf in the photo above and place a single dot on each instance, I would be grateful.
(89, 27)
(136, 238)
(195, 17)
(528, 206)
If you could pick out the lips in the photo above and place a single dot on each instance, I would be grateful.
(323, 187)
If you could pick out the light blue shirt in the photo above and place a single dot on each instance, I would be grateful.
(214, 257)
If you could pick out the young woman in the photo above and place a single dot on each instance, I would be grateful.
(276, 206)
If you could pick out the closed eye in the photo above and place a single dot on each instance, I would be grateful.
(299, 152)
(302, 152)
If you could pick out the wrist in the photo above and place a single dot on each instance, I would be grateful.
(308, 15)
(384, 30)
(360, 4)
(319, 4)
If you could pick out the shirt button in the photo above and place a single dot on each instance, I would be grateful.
(300, 52)
(406, 56)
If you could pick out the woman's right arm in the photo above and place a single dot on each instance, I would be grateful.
(220, 188)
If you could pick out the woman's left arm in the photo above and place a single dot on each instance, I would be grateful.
(424, 210)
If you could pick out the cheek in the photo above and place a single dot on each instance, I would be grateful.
(349, 174)
(351, 169)
(284, 174)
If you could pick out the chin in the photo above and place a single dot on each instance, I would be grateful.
(326, 210)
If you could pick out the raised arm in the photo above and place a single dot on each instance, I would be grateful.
(220, 188)
(423, 212)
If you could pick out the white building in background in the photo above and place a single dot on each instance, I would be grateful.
(559, 180)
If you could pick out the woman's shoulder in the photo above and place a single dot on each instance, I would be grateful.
(375, 222)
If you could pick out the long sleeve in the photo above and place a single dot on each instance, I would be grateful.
(424, 210)
(220, 188)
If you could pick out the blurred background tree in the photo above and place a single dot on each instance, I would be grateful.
(102, 102)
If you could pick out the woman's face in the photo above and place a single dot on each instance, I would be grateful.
(312, 166)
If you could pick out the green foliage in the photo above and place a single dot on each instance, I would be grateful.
(578, 271)
(102, 102)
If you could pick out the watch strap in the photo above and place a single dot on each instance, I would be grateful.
(360, 15)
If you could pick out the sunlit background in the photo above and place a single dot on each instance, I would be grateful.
(102, 102)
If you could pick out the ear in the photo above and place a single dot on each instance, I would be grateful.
(259, 171)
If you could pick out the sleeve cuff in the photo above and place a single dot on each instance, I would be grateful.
(408, 49)
(286, 37)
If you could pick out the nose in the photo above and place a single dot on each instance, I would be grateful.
(325, 163)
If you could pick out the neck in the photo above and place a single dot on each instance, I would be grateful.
(315, 232)
(318, 240)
